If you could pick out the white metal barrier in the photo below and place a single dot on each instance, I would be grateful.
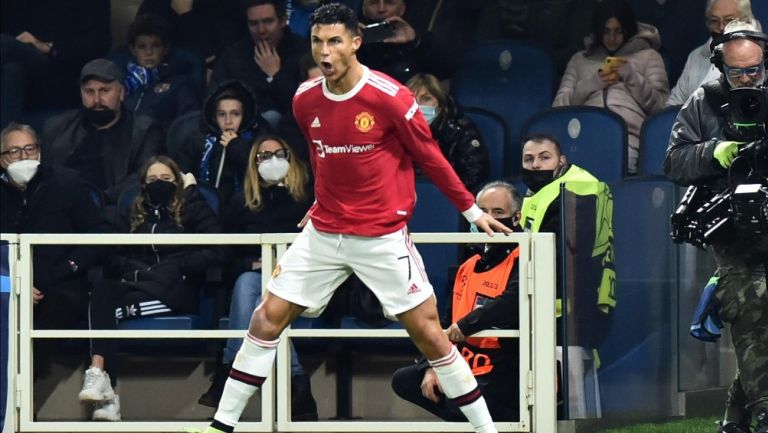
(536, 334)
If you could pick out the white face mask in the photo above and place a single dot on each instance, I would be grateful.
(274, 169)
(22, 171)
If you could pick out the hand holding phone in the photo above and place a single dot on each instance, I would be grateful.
(377, 32)
(612, 63)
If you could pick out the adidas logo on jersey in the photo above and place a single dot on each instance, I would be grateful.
(413, 289)
(315, 123)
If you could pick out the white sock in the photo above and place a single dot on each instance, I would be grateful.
(460, 386)
(252, 364)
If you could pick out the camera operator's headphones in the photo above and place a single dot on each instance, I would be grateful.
(716, 47)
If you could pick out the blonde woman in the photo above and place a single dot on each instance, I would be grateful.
(276, 194)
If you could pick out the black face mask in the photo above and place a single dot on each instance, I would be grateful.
(160, 192)
(510, 222)
(537, 179)
(99, 117)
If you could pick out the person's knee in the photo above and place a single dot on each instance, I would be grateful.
(270, 318)
(406, 383)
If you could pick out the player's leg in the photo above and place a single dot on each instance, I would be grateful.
(452, 370)
(254, 360)
(392, 268)
(304, 279)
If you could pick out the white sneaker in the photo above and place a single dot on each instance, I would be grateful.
(96, 386)
(108, 410)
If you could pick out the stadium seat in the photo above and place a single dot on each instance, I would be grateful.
(654, 139)
(180, 131)
(210, 301)
(511, 78)
(436, 214)
(760, 10)
(593, 138)
(494, 132)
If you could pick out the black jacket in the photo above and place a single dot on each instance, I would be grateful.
(463, 147)
(690, 160)
(126, 145)
(237, 63)
(280, 213)
(172, 273)
(190, 155)
(56, 200)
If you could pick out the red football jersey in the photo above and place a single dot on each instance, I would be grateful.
(362, 147)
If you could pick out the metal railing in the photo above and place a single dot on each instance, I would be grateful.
(536, 336)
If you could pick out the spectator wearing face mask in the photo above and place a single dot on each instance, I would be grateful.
(590, 249)
(43, 198)
(456, 134)
(698, 69)
(277, 194)
(149, 280)
(104, 142)
(485, 296)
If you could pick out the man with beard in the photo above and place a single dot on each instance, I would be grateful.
(105, 143)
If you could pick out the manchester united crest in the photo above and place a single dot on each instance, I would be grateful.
(364, 121)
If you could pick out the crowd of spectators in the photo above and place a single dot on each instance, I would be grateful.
(251, 56)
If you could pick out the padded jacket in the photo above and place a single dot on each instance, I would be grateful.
(642, 91)
(172, 273)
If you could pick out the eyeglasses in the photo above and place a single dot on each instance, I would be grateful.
(716, 22)
(163, 177)
(267, 155)
(15, 153)
(751, 71)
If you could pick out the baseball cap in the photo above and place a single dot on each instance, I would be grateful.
(101, 69)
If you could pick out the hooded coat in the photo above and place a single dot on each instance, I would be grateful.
(190, 155)
(642, 90)
(171, 273)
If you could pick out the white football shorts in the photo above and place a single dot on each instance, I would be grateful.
(318, 262)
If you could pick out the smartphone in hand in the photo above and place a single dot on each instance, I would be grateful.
(377, 32)
(612, 63)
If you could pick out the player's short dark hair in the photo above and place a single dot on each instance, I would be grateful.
(149, 24)
(279, 6)
(335, 13)
(540, 137)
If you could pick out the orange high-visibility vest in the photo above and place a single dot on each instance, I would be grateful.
(470, 291)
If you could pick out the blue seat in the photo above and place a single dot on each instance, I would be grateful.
(654, 140)
(435, 213)
(494, 132)
(760, 10)
(593, 138)
(210, 297)
(180, 131)
(512, 78)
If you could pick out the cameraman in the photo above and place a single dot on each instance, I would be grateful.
(701, 151)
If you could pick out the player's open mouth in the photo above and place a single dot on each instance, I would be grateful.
(326, 68)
